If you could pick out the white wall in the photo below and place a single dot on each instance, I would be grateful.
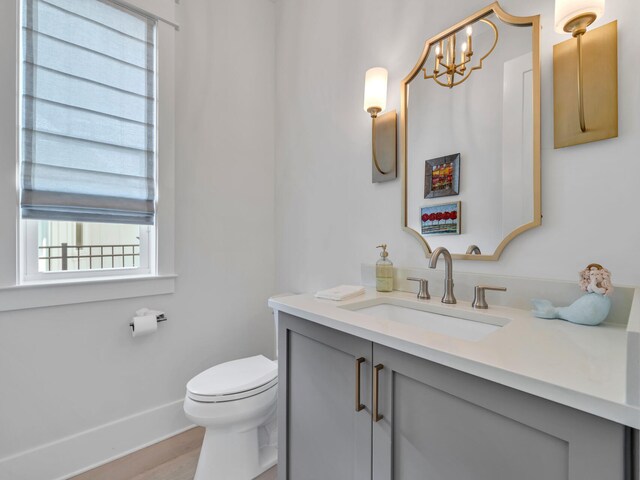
(65, 370)
(329, 215)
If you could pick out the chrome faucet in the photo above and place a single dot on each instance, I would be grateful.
(448, 296)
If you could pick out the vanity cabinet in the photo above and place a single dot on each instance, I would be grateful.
(442, 424)
(322, 435)
(433, 422)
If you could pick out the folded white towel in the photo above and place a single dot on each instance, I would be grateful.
(342, 292)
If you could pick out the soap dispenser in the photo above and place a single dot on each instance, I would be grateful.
(384, 271)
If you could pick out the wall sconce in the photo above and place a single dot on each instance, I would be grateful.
(383, 127)
(585, 75)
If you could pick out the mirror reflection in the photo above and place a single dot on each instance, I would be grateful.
(472, 136)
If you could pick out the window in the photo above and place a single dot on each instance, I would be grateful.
(84, 246)
(88, 139)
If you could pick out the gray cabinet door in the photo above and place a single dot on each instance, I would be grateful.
(442, 424)
(321, 436)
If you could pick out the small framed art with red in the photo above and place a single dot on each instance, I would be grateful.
(443, 219)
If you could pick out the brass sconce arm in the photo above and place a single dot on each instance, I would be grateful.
(583, 126)
(577, 26)
(373, 149)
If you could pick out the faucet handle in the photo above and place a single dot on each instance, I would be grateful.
(423, 292)
(479, 300)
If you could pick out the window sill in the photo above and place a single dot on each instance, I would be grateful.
(69, 292)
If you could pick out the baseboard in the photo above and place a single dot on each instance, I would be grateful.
(83, 451)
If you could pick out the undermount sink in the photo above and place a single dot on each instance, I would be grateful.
(464, 325)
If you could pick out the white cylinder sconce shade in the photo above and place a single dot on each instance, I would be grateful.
(569, 9)
(375, 89)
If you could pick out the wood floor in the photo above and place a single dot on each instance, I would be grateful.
(172, 459)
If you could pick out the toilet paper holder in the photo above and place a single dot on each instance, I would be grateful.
(160, 316)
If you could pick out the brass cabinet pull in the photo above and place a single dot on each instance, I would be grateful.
(359, 362)
(376, 372)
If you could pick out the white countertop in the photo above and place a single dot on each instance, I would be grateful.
(578, 366)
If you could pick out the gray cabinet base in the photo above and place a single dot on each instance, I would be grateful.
(438, 423)
(442, 424)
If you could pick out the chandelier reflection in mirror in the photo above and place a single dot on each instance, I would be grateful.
(445, 58)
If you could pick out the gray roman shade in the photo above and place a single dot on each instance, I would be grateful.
(88, 133)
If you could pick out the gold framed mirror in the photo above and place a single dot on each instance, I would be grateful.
(470, 136)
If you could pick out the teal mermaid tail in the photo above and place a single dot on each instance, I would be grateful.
(590, 309)
(544, 309)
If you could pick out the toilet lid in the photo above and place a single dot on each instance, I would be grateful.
(233, 377)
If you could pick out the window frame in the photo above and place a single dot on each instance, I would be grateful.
(29, 260)
(28, 251)
(15, 292)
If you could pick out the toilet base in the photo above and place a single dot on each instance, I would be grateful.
(235, 455)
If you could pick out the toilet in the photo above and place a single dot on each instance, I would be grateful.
(236, 403)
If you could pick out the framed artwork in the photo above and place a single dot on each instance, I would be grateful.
(444, 219)
(442, 176)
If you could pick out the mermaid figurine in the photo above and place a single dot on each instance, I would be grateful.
(590, 309)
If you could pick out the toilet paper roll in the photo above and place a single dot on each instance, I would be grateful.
(144, 325)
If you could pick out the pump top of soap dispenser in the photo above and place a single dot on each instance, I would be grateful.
(383, 253)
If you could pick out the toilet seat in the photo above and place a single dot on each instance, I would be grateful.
(232, 396)
(234, 380)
